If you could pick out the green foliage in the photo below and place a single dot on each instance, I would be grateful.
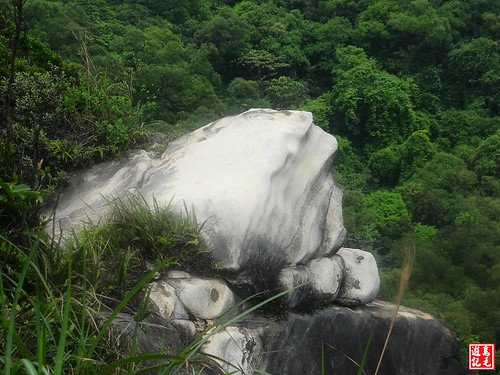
(51, 328)
(147, 236)
(371, 103)
(18, 225)
(227, 32)
(326, 38)
(425, 231)
(415, 152)
(411, 87)
(487, 157)
(385, 165)
(350, 168)
(57, 314)
(58, 126)
(285, 93)
(473, 70)
(242, 95)
(262, 64)
(430, 194)
(457, 127)
(320, 109)
(386, 208)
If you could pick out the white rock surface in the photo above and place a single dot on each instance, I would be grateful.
(178, 275)
(362, 281)
(261, 183)
(235, 346)
(261, 176)
(204, 298)
(320, 279)
(326, 277)
(163, 300)
(85, 200)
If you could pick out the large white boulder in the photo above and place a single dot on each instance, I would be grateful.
(263, 176)
(261, 184)
(259, 176)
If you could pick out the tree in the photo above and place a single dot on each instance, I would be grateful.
(321, 110)
(385, 166)
(373, 106)
(415, 152)
(261, 64)
(228, 33)
(386, 208)
(243, 95)
(285, 93)
(474, 72)
(431, 192)
(324, 38)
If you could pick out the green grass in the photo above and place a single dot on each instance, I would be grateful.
(51, 307)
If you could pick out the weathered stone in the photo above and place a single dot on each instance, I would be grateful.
(261, 183)
(86, 198)
(297, 279)
(204, 298)
(326, 277)
(186, 327)
(419, 343)
(317, 282)
(262, 176)
(361, 282)
(178, 275)
(163, 301)
(232, 348)
(297, 344)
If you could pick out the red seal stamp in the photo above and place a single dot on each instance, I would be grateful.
(482, 356)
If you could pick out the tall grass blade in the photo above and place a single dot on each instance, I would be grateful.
(29, 367)
(64, 326)
(137, 287)
(107, 370)
(403, 284)
(361, 370)
(17, 294)
(322, 358)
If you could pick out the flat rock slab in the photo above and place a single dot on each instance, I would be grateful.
(419, 343)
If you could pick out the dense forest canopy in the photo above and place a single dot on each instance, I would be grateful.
(409, 88)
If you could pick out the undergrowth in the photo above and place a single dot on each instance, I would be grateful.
(57, 305)
(135, 238)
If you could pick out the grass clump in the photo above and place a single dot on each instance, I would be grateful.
(135, 238)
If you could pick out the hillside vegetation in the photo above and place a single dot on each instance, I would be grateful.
(409, 88)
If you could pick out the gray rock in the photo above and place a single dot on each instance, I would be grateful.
(178, 275)
(86, 199)
(186, 327)
(361, 282)
(326, 276)
(233, 349)
(262, 175)
(203, 298)
(317, 282)
(261, 184)
(294, 345)
(419, 343)
(163, 300)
